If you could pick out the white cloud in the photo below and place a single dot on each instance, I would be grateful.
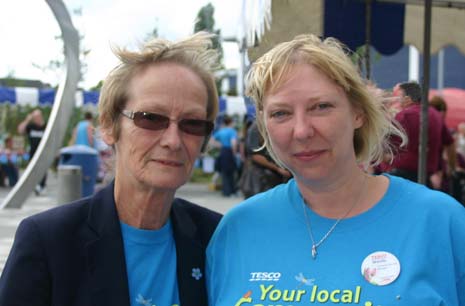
(27, 37)
(28, 28)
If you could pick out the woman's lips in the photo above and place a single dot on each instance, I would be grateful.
(167, 162)
(309, 155)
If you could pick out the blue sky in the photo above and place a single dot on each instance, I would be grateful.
(28, 28)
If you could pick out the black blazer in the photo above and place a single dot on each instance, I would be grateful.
(74, 255)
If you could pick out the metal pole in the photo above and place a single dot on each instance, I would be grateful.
(242, 43)
(61, 112)
(367, 37)
(422, 173)
(241, 70)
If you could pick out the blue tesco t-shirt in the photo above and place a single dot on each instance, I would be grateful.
(261, 254)
(151, 266)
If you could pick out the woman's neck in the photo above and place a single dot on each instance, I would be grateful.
(345, 197)
(143, 208)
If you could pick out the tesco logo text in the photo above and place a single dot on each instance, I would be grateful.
(265, 276)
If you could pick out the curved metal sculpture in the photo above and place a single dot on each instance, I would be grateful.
(60, 115)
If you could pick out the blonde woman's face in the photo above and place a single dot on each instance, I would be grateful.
(311, 124)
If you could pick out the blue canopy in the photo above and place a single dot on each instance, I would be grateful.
(40, 97)
(346, 20)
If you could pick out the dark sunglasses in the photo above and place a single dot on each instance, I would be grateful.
(156, 122)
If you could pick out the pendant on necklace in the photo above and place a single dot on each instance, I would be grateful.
(314, 253)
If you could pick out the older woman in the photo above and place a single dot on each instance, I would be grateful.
(132, 243)
(333, 234)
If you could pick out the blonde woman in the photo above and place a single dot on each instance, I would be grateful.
(333, 234)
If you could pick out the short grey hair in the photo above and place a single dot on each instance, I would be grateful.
(193, 52)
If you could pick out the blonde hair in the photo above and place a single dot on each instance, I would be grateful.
(371, 140)
(194, 52)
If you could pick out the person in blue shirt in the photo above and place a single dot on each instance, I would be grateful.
(83, 133)
(226, 136)
(334, 234)
(132, 243)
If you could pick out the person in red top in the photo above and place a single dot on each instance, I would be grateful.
(405, 161)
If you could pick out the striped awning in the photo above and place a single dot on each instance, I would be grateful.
(41, 97)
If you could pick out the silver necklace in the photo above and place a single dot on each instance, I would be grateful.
(309, 229)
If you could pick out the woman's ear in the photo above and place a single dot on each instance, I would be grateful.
(107, 136)
(359, 119)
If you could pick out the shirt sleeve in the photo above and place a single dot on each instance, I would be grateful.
(457, 231)
(461, 291)
(447, 138)
(213, 267)
(220, 274)
(28, 128)
(216, 135)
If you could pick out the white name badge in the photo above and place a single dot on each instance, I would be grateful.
(380, 268)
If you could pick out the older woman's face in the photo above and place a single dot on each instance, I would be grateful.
(311, 124)
(160, 159)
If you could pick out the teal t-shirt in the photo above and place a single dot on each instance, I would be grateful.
(151, 266)
(409, 249)
(225, 136)
(81, 133)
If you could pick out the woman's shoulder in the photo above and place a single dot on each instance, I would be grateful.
(243, 220)
(264, 203)
(192, 218)
(422, 198)
(195, 212)
(61, 219)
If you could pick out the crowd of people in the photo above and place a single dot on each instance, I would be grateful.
(445, 166)
(244, 165)
(332, 213)
(17, 149)
(247, 168)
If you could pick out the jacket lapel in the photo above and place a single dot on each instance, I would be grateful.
(190, 258)
(105, 252)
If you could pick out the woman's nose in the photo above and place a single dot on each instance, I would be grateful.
(303, 127)
(171, 136)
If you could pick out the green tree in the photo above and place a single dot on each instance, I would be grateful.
(154, 33)
(12, 82)
(359, 57)
(206, 22)
(97, 87)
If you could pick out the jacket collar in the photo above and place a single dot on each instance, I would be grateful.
(190, 254)
(106, 261)
(105, 252)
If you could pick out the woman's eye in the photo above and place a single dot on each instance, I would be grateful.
(322, 106)
(278, 114)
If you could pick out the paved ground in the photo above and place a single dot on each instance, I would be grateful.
(10, 218)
